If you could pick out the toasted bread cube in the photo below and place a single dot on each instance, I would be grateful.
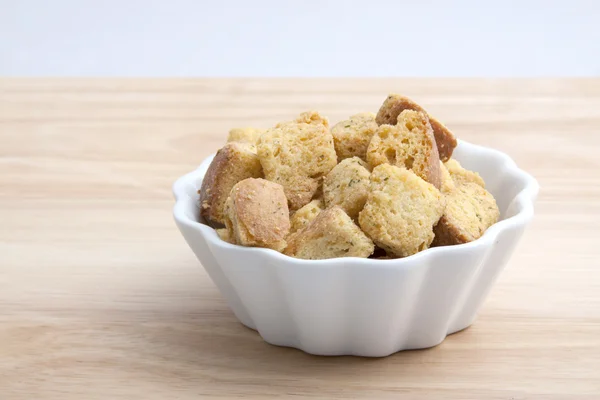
(306, 214)
(244, 135)
(232, 163)
(257, 214)
(470, 211)
(351, 137)
(461, 175)
(394, 104)
(297, 155)
(409, 144)
(331, 234)
(401, 211)
(347, 186)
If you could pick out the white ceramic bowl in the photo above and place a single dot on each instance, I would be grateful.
(363, 307)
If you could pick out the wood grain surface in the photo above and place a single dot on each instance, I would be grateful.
(100, 297)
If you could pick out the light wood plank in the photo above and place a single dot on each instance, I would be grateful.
(101, 298)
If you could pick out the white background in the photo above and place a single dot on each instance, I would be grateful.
(299, 38)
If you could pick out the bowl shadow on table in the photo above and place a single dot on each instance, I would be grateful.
(209, 335)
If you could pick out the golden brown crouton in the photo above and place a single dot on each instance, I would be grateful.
(257, 214)
(244, 135)
(470, 210)
(331, 234)
(297, 155)
(401, 211)
(347, 185)
(409, 144)
(306, 214)
(461, 175)
(352, 136)
(232, 163)
(394, 104)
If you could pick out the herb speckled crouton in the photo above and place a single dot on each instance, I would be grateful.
(351, 137)
(257, 214)
(306, 214)
(409, 144)
(470, 211)
(401, 211)
(331, 234)
(296, 155)
(347, 186)
(462, 175)
(394, 104)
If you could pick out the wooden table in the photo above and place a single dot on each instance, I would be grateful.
(100, 297)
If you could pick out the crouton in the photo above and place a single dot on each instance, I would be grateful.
(461, 175)
(297, 156)
(401, 211)
(306, 214)
(331, 234)
(232, 163)
(347, 185)
(409, 144)
(394, 104)
(257, 214)
(351, 137)
(470, 211)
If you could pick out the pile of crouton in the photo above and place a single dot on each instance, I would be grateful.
(380, 186)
